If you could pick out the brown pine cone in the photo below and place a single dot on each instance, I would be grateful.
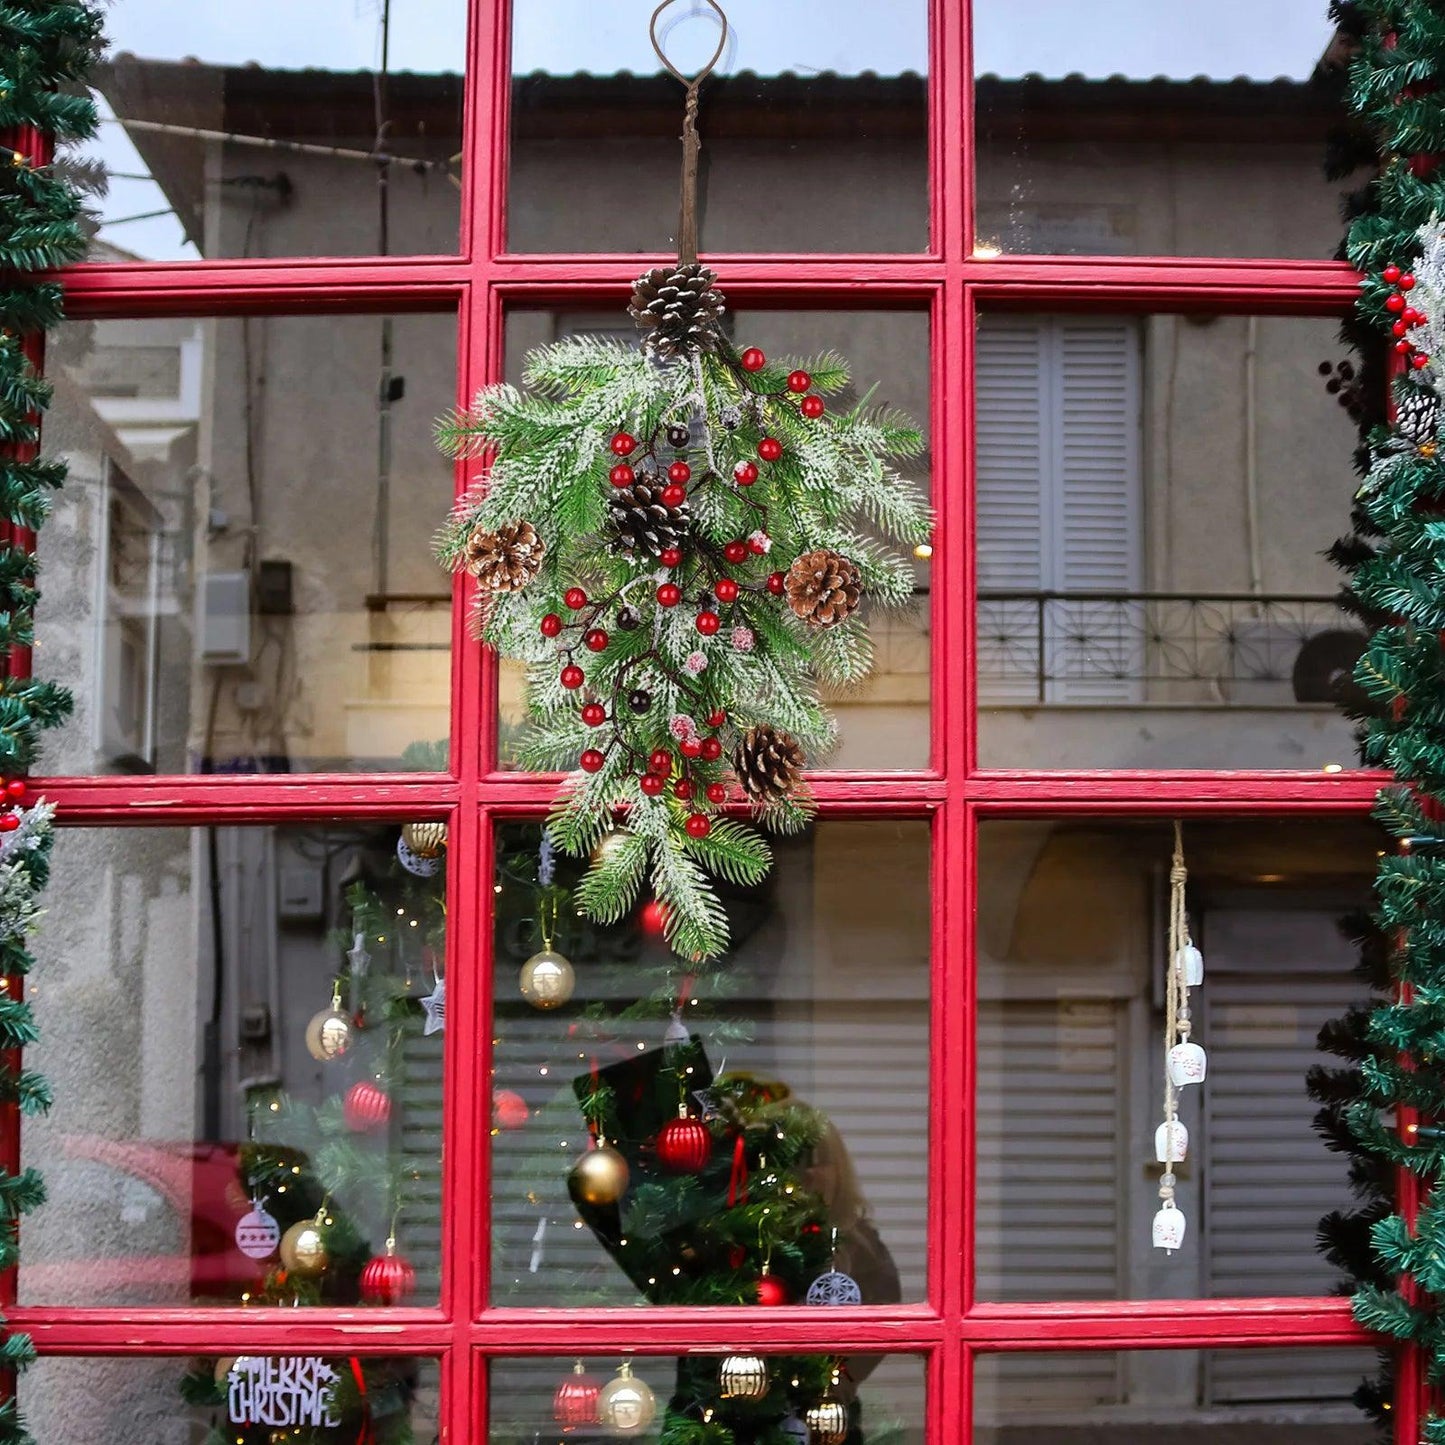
(507, 559)
(643, 522)
(768, 762)
(678, 308)
(823, 587)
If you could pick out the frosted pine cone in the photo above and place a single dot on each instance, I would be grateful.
(823, 587)
(643, 522)
(678, 309)
(507, 559)
(769, 763)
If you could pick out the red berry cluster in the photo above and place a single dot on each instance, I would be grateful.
(13, 793)
(1406, 316)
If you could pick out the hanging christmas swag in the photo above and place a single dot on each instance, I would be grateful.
(679, 540)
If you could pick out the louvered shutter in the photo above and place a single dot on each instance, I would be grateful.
(1273, 978)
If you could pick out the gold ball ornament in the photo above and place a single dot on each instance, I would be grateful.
(626, 1405)
(303, 1249)
(743, 1377)
(328, 1035)
(426, 840)
(547, 980)
(599, 1177)
(827, 1423)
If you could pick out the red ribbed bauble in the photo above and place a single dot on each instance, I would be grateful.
(387, 1279)
(771, 1290)
(509, 1109)
(683, 1146)
(367, 1106)
(575, 1403)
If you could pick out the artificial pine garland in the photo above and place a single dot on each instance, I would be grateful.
(46, 47)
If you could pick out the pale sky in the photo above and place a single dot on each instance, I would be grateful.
(1221, 39)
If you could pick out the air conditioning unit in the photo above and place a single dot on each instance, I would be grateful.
(226, 620)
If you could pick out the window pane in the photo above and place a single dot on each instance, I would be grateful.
(1248, 1397)
(881, 1396)
(1072, 949)
(883, 722)
(1155, 497)
(278, 130)
(251, 1400)
(815, 136)
(204, 1119)
(809, 1062)
(238, 573)
(1133, 131)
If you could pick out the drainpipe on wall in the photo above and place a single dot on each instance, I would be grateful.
(1251, 458)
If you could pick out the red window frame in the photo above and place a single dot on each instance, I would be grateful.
(953, 794)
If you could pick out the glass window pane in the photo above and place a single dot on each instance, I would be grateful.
(277, 130)
(249, 1400)
(1072, 944)
(1134, 131)
(883, 722)
(752, 1396)
(1245, 1396)
(806, 1080)
(1155, 498)
(238, 573)
(814, 136)
(214, 1113)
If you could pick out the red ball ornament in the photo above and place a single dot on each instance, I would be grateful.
(653, 917)
(679, 472)
(1399, 328)
(758, 544)
(1394, 302)
(594, 714)
(1410, 316)
(670, 556)
(735, 552)
(690, 748)
(1419, 361)
(624, 444)
(622, 475)
(775, 583)
(770, 449)
(387, 1279)
(669, 594)
(509, 1109)
(716, 718)
(367, 1106)
(799, 381)
(1391, 273)
(574, 1406)
(575, 598)
(595, 639)
(591, 761)
(683, 1146)
(1423, 165)
(717, 792)
(551, 625)
(698, 825)
(726, 589)
(812, 407)
(682, 788)
(753, 359)
(708, 623)
(674, 494)
(1407, 282)
(745, 473)
(571, 675)
(652, 784)
(15, 789)
(711, 750)
(660, 761)
(771, 1290)
(1404, 347)
(9, 822)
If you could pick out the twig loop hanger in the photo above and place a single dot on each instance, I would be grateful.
(691, 141)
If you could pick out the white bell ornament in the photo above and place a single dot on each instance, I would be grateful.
(1171, 1142)
(1189, 965)
(1187, 1064)
(1169, 1228)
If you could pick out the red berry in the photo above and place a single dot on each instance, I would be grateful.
(799, 381)
(717, 792)
(690, 748)
(753, 359)
(812, 407)
(1391, 273)
(622, 475)
(682, 789)
(571, 675)
(674, 495)
(624, 444)
(726, 589)
(1410, 316)
(1394, 302)
(711, 750)
(736, 551)
(1419, 361)
(652, 784)
(708, 623)
(716, 718)
(590, 761)
(594, 714)
(1407, 282)
(15, 788)
(669, 595)
(1404, 347)
(758, 545)
(698, 826)
(770, 448)
(670, 556)
(575, 598)
(745, 473)
(551, 625)
(679, 472)
(660, 761)
(1399, 328)
(775, 583)
(595, 639)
